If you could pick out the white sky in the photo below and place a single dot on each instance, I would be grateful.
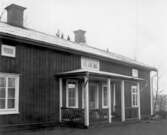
(134, 28)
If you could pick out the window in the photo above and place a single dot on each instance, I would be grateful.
(72, 94)
(134, 72)
(7, 50)
(93, 95)
(9, 90)
(134, 96)
(104, 96)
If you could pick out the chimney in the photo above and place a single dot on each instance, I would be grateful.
(15, 15)
(80, 36)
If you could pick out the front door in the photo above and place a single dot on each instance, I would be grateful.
(93, 96)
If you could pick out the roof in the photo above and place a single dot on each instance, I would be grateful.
(58, 42)
(101, 73)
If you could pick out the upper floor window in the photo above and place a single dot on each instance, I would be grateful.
(7, 50)
(134, 72)
(9, 91)
(134, 96)
(72, 94)
(93, 95)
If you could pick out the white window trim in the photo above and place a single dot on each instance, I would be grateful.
(16, 109)
(76, 101)
(10, 47)
(104, 106)
(136, 93)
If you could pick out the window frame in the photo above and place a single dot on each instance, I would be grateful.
(135, 95)
(14, 110)
(10, 47)
(104, 106)
(67, 93)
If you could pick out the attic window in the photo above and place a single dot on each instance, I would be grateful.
(7, 50)
(134, 72)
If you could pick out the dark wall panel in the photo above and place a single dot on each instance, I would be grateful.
(38, 93)
(115, 68)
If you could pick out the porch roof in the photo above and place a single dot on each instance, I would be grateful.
(83, 72)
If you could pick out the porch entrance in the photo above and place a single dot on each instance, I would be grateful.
(93, 96)
(92, 103)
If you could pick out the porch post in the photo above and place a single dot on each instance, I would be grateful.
(122, 101)
(86, 97)
(60, 99)
(151, 94)
(109, 100)
(114, 99)
(139, 111)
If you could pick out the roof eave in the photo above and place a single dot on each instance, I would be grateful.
(71, 50)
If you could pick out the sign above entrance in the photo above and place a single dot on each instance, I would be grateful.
(90, 64)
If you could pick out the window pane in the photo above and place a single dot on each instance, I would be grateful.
(71, 102)
(72, 93)
(11, 92)
(2, 103)
(71, 97)
(105, 102)
(133, 98)
(11, 103)
(105, 98)
(136, 100)
(2, 82)
(2, 92)
(11, 82)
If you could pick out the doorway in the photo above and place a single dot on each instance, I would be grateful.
(93, 96)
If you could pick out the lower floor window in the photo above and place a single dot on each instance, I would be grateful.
(93, 96)
(9, 89)
(104, 96)
(72, 94)
(134, 96)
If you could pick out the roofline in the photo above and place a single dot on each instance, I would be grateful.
(60, 48)
(71, 50)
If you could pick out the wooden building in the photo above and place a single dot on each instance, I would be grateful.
(46, 79)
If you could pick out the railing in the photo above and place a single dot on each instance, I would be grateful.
(98, 115)
(72, 114)
(76, 115)
(131, 113)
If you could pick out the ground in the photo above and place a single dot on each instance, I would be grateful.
(141, 128)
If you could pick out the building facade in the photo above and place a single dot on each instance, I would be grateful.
(46, 79)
